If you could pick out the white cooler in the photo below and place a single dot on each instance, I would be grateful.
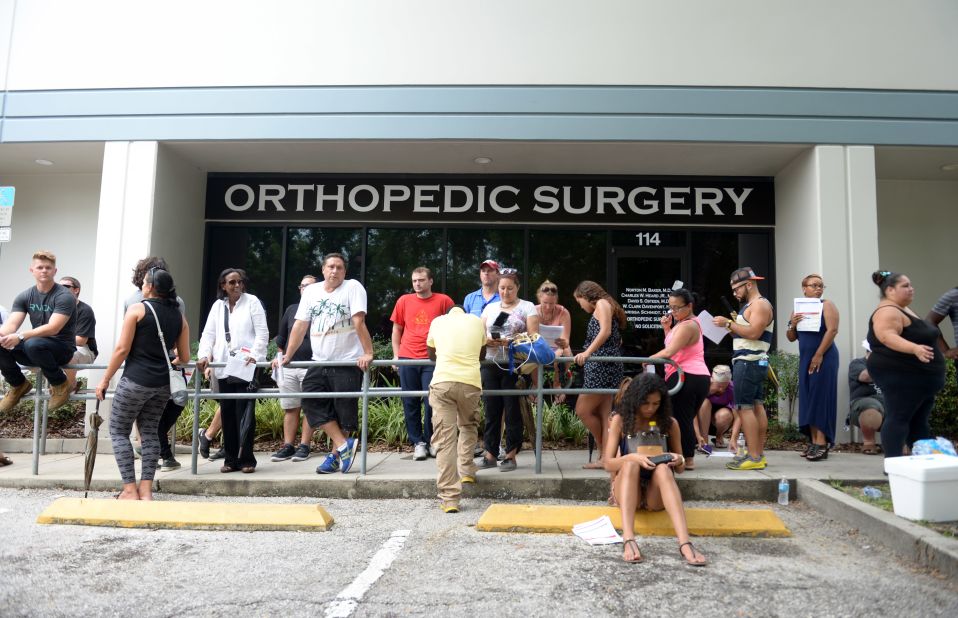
(924, 486)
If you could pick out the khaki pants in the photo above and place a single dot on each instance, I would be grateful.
(455, 407)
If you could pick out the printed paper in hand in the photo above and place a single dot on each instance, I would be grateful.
(237, 366)
(811, 308)
(713, 333)
(550, 334)
(278, 368)
(597, 532)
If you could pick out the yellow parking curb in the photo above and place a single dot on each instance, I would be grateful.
(702, 522)
(186, 515)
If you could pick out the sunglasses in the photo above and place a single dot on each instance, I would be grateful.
(549, 290)
(68, 286)
(508, 271)
(234, 282)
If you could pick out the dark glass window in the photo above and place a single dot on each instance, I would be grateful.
(391, 256)
(305, 248)
(466, 249)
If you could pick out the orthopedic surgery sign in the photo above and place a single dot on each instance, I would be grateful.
(515, 199)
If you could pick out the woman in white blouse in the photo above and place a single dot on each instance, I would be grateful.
(247, 339)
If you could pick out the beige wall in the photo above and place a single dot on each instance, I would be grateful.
(917, 221)
(815, 43)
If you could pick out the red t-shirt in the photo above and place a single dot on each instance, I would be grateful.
(415, 315)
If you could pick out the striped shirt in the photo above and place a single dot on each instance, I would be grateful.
(751, 349)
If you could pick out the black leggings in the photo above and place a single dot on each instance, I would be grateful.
(171, 413)
(498, 406)
(685, 407)
(909, 399)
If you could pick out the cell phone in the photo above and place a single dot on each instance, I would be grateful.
(496, 334)
(664, 458)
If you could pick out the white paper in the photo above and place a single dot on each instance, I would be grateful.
(811, 308)
(550, 334)
(597, 532)
(237, 366)
(713, 333)
(278, 368)
(721, 453)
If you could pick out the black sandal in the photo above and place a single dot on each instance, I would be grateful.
(817, 453)
(635, 550)
(694, 553)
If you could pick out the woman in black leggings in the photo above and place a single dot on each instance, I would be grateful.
(905, 363)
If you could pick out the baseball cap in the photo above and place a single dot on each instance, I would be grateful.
(491, 264)
(744, 273)
(722, 373)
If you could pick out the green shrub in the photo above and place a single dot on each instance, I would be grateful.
(785, 366)
(560, 424)
(780, 434)
(944, 418)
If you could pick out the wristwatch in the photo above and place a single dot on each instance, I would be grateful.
(20, 335)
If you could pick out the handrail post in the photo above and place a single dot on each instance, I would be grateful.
(198, 378)
(43, 430)
(365, 427)
(38, 385)
(541, 377)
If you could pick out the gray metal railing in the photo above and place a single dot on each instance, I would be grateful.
(40, 412)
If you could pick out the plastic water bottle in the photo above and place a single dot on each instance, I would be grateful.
(783, 492)
(740, 451)
(872, 492)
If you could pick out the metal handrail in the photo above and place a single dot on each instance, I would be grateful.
(366, 391)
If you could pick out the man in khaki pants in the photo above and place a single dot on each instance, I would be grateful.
(456, 341)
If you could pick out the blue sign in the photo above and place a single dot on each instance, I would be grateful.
(6, 196)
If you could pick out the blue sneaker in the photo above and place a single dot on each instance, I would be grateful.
(329, 465)
(347, 454)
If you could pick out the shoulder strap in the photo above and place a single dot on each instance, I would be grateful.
(226, 324)
(159, 330)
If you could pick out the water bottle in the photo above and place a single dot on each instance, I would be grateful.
(783, 492)
(740, 451)
(872, 492)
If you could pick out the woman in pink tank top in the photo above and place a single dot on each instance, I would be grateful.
(683, 344)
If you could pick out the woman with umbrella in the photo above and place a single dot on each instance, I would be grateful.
(144, 389)
(235, 329)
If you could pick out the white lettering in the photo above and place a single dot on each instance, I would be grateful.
(373, 201)
(602, 199)
(250, 196)
(394, 193)
(481, 200)
(651, 206)
(671, 200)
(576, 210)
(494, 203)
(322, 197)
(546, 194)
(300, 194)
(420, 198)
(447, 205)
(739, 200)
(712, 202)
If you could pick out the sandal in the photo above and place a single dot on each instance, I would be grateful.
(636, 554)
(5, 461)
(225, 469)
(872, 449)
(691, 561)
(818, 452)
(248, 469)
(806, 450)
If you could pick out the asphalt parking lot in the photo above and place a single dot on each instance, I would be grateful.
(443, 567)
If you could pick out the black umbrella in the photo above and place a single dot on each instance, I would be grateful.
(89, 456)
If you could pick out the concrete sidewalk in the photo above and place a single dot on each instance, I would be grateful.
(396, 475)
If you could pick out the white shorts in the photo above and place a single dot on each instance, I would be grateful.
(83, 356)
(292, 382)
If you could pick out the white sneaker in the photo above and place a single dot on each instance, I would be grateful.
(433, 451)
(421, 452)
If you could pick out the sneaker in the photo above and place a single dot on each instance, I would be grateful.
(302, 453)
(59, 394)
(329, 465)
(507, 465)
(14, 395)
(420, 453)
(204, 443)
(467, 479)
(347, 454)
(220, 454)
(746, 464)
(283, 454)
(477, 452)
(449, 508)
(137, 452)
(502, 453)
(485, 464)
(433, 451)
(169, 463)
(764, 461)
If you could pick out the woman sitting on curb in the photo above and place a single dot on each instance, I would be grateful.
(638, 482)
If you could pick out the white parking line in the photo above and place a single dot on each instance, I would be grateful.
(347, 600)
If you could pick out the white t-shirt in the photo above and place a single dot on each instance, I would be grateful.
(515, 324)
(330, 315)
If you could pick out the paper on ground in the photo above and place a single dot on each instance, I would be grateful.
(811, 308)
(597, 532)
(713, 333)
(718, 453)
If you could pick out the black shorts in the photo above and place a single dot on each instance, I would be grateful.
(344, 410)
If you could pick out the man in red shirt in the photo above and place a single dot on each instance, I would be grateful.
(411, 319)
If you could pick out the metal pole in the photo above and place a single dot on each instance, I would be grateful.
(365, 430)
(541, 375)
(36, 424)
(197, 377)
(43, 430)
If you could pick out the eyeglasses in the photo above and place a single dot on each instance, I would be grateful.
(234, 282)
(817, 286)
(549, 290)
(675, 309)
(68, 286)
(735, 287)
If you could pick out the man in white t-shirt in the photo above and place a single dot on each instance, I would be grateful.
(334, 314)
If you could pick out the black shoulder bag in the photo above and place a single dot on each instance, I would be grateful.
(253, 385)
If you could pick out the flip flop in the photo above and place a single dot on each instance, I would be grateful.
(695, 553)
(874, 449)
(594, 465)
(635, 550)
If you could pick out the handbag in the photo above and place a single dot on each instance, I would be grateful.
(254, 384)
(178, 392)
(529, 351)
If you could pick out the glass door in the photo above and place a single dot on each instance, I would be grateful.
(643, 278)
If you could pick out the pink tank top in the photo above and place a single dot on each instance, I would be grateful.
(692, 358)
